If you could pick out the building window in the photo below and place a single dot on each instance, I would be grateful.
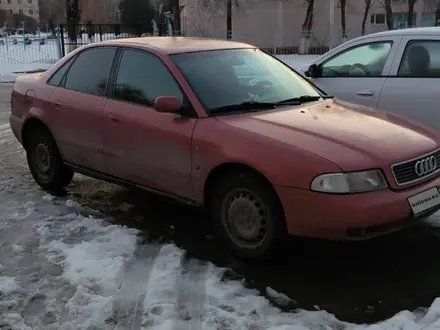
(29, 1)
(31, 12)
(428, 19)
(19, 2)
(9, 1)
(400, 20)
(20, 11)
(10, 11)
(377, 18)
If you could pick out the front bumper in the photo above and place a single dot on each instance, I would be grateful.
(350, 217)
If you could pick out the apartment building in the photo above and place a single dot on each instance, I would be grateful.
(278, 23)
(23, 7)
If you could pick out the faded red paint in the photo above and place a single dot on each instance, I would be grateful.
(290, 146)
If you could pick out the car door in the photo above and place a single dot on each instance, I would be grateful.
(141, 145)
(78, 105)
(413, 87)
(357, 71)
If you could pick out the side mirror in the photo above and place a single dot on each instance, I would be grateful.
(167, 104)
(312, 72)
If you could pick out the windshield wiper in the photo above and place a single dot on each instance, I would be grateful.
(255, 106)
(248, 106)
(301, 99)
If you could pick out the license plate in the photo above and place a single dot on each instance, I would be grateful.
(424, 200)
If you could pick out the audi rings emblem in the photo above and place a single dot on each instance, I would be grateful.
(425, 166)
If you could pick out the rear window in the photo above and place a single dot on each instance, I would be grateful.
(57, 77)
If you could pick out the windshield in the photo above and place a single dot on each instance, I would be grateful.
(223, 78)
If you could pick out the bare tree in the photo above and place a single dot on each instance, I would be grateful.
(99, 12)
(73, 17)
(343, 5)
(308, 20)
(433, 6)
(368, 5)
(411, 4)
(307, 27)
(52, 12)
(388, 13)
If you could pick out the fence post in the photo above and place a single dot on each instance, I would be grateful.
(63, 46)
(6, 34)
(24, 34)
(39, 39)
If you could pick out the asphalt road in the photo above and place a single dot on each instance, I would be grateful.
(359, 282)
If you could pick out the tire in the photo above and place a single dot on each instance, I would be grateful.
(45, 161)
(249, 193)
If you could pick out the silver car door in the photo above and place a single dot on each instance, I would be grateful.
(413, 86)
(357, 72)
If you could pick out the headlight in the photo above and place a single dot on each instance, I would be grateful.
(351, 182)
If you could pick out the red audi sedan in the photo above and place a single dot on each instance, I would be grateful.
(226, 126)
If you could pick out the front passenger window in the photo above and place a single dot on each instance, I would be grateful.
(142, 77)
(367, 60)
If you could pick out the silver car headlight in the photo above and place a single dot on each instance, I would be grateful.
(350, 182)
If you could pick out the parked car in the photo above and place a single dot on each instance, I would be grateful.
(268, 156)
(396, 71)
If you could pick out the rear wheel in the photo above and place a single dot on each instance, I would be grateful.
(45, 161)
(248, 215)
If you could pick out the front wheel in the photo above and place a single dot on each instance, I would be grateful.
(45, 162)
(248, 215)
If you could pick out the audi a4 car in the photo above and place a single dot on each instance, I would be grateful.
(226, 126)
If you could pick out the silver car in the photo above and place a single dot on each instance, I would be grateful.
(397, 71)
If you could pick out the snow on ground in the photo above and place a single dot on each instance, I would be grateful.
(298, 62)
(66, 267)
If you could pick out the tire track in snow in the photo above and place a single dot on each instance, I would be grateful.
(128, 305)
(191, 286)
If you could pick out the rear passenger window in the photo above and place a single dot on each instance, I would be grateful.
(56, 78)
(421, 59)
(89, 73)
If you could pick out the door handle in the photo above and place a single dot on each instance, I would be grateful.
(114, 117)
(366, 92)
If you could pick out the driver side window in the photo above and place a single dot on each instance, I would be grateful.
(367, 60)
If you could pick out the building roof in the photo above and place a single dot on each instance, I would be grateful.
(175, 45)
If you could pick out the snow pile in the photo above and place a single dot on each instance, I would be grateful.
(102, 278)
(298, 62)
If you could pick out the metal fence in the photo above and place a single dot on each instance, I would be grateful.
(38, 50)
(90, 33)
(28, 50)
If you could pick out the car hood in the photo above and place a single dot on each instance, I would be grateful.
(351, 136)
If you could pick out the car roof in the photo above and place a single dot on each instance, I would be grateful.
(176, 45)
(435, 30)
